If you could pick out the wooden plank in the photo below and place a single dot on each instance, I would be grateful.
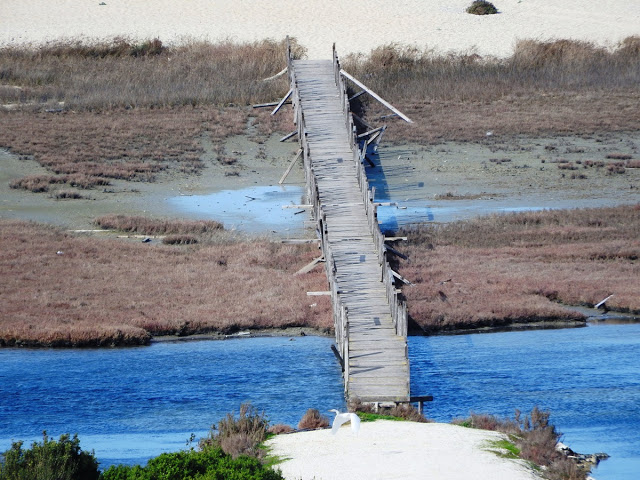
(298, 155)
(284, 99)
(377, 97)
(310, 266)
(289, 135)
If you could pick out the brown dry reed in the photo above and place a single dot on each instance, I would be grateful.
(242, 435)
(502, 270)
(106, 292)
(562, 86)
(535, 438)
(313, 420)
(119, 73)
(149, 226)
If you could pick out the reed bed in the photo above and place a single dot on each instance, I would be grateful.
(64, 290)
(555, 87)
(520, 268)
(120, 73)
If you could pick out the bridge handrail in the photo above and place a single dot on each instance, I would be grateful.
(398, 305)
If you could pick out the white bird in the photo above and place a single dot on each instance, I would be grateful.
(342, 418)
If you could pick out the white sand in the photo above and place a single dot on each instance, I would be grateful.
(396, 450)
(355, 25)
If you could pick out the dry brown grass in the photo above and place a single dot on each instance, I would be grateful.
(313, 420)
(535, 439)
(505, 269)
(150, 226)
(121, 74)
(121, 144)
(112, 292)
(543, 88)
(242, 435)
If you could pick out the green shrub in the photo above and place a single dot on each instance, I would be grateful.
(210, 463)
(51, 459)
(481, 7)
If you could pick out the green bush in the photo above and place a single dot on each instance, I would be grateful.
(210, 463)
(49, 460)
(481, 7)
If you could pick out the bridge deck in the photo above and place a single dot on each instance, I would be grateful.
(378, 369)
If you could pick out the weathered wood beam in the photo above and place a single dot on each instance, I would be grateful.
(289, 135)
(310, 266)
(290, 166)
(298, 206)
(361, 92)
(376, 96)
(400, 277)
(279, 74)
(603, 302)
(284, 99)
(396, 252)
(371, 132)
(270, 104)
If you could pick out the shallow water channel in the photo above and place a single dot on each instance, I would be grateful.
(132, 404)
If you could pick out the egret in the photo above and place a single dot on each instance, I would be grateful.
(344, 418)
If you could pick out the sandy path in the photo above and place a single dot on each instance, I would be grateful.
(355, 26)
(395, 450)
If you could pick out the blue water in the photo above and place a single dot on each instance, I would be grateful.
(254, 209)
(588, 378)
(132, 404)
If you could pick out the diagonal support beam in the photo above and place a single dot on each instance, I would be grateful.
(376, 96)
(293, 162)
(285, 98)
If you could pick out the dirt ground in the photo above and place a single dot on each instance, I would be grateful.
(443, 182)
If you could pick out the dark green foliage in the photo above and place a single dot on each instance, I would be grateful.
(481, 7)
(49, 460)
(211, 463)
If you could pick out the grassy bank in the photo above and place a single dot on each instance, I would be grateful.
(520, 268)
(64, 290)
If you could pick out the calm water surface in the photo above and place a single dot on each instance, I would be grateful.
(131, 404)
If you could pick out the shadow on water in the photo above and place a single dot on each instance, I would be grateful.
(392, 217)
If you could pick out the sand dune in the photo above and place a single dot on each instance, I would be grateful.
(355, 26)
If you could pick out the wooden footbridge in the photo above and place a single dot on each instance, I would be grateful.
(369, 313)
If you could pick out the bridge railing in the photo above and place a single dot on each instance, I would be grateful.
(340, 310)
(398, 305)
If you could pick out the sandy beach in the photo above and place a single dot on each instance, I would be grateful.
(399, 450)
(355, 27)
